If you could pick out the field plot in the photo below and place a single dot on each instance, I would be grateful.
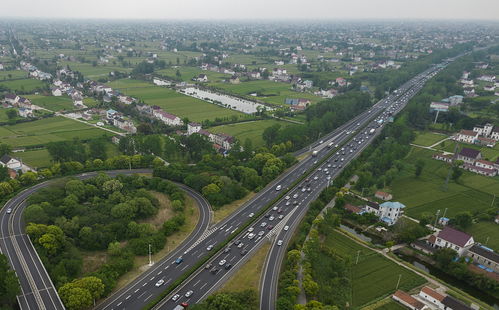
(428, 138)
(36, 158)
(63, 103)
(52, 129)
(187, 73)
(22, 85)
(427, 193)
(91, 72)
(373, 277)
(248, 130)
(486, 233)
(179, 104)
(267, 91)
(13, 74)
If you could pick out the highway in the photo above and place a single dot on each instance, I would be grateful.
(287, 211)
(37, 289)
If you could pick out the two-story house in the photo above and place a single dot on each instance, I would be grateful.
(452, 238)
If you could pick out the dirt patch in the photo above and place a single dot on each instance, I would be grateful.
(165, 211)
(93, 260)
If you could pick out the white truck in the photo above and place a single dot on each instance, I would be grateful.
(314, 153)
(372, 131)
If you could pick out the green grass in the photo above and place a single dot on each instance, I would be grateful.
(23, 85)
(487, 152)
(187, 73)
(473, 193)
(374, 276)
(91, 72)
(179, 104)
(62, 103)
(486, 233)
(14, 74)
(427, 138)
(391, 305)
(269, 91)
(36, 158)
(248, 130)
(52, 129)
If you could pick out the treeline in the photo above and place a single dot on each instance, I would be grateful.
(100, 213)
(322, 118)
(9, 285)
(244, 300)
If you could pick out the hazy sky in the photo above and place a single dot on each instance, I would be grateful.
(253, 9)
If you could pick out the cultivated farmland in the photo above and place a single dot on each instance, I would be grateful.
(62, 103)
(22, 85)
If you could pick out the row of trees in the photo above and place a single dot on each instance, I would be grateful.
(100, 213)
(9, 285)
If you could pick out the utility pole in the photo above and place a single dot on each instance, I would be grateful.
(493, 200)
(398, 282)
(436, 218)
(150, 258)
(446, 185)
(357, 261)
(487, 240)
(445, 211)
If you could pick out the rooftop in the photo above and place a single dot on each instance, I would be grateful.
(454, 236)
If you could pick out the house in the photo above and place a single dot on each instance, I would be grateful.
(372, 207)
(125, 125)
(10, 162)
(126, 100)
(11, 98)
(408, 301)
(495, 133)
(450, 303)
(443, 221)
(341, 81)
(24, 103)
(484, 130)
(484, 256)
(234, 79)
(468, 155)
(23, 112)
(352, 209)
(167, 118)
(1, 67)
(485, 164)
(383, 196)
(255, 75)
(488, 142)
(202, 78)
(423, 247)
(489, 88)
(110, 114)
(456, 100)
(487, 78)
(452, 238)
(467, 136)
(443, 157)
(390, 212)
(193, 128)
(432, 296)
(57, 92)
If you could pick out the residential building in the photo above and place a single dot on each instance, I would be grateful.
(202, 78)
(443, 157)
(110, 114)
(484, 130)
(408, 301)
(452, 238)
(468, 155)
(23, 112)
(353, 209)
(193, 128)
(390, 212)
(450, 303)
(167, 118)
(467, 136)
(57, 92)
(484, 256)
(383, 196)
(11, 98)
(439, 106)
(10, 162)
(234, 79)
(430, 295)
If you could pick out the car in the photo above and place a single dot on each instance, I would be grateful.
(209, 247)
(307, 180)
(295, 202)
(287, 203)
(286, 228)
(267, 215)
(315, 162)
(251, 214)
(261, 233)
(240, 245)
(308, 189)
(295, 196)
(303, 189)
(208, 266)
(251, 229)
(188, 294)
(320, 169)
(179, 260)
(278, 187)
(328, 177)
(222, 262)
(251, 236)
(351, 151)
(279, 210)
(274, 208)
(279, 243)
(228, 266)
(243, 252)
(281, 216)
(329, 165)
(263, 224)
(322, 141)
(342, 159)
(227, 250)
(175, 297)
(214, 270)
(287, 197)
(160, 282)
(270, 227)
(327, 172)
(337, 145)
(326, 169)
(316, 177)
(271, 218)
(9, 210)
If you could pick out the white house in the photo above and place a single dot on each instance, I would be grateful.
(485, 131)
(57, 92)
(202, 78)
(432, 296)
(25, 112)
(390, 212)
(167, 118)
(10, 162)
(11, 98)
(467, 136)
(452, 238)
(193, 128)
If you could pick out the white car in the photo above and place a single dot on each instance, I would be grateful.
(263, 224)
(281, 217)
(287, 203)
(160, 282)
(316, 177)
(287, 197)
(188, 294)
(274, 208)
(175, 297)
(222, 262)
(271, 218)
(279, 243)
(295, 196)
(286, 228)
(240, 245)
(209, 247)
(251, 214)
(9, 211)
(251, 236)
(251, 229)
(278, 188)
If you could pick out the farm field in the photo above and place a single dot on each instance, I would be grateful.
(23, 85)
(91, 72)
(473, 193)
(268, 91)
(14, 74)
(35, 158)
(428, 138)
(248, 130)
(374, 276)
(62, 103)
(187, 73)
(179, 104)
(47, 130)
(486, 233)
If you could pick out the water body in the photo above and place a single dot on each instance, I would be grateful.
(478, 294)
(358, 235)
(226, 101)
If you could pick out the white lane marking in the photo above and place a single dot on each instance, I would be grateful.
(229, 228)
(148, 297)
(152, 278)
(136, 291)
(144, 284)
(128, 297)
(142, 294)
(197, 282)
(184, 267)
(119, 304)
(203, 286)
(167, 267)
(160, 272)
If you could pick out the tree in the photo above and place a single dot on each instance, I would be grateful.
(463, 220)
(269, 135)
(5, 149)
(28, 178)
(419, 167)
(444, 257)
(75, 298)
(9, 285)
(11, 113)
(97, 149)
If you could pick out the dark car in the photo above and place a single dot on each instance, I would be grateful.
(270, 227)
(208, 266)
(243, 252)
(226, 250)
(228, 266)
(237, 242)
(267, 215)
(214, 270)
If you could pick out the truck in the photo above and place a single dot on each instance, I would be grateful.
(372, 131)
(314, 153)
(330, 145)
(182, 306)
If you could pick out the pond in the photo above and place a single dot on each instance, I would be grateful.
(361, 236)
(478, 294)
(226, 101)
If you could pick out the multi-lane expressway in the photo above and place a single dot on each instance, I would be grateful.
(37, 289)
